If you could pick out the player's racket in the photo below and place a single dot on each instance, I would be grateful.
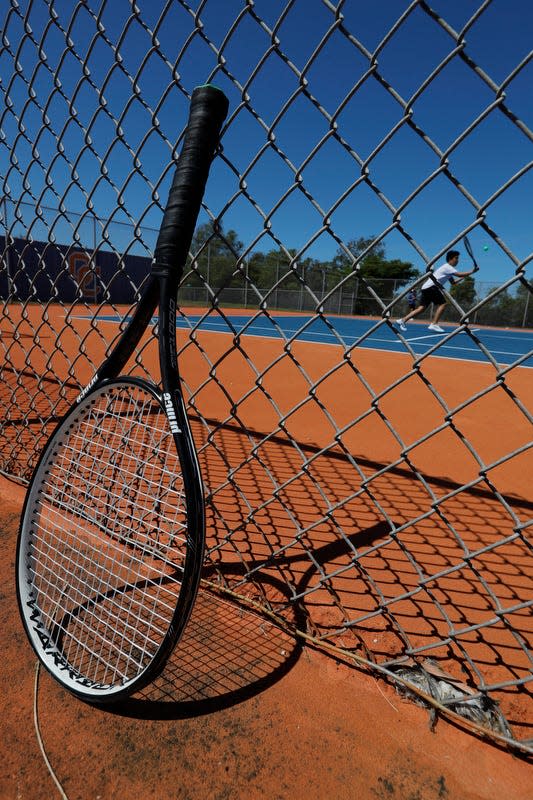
(112, 535)
(468, 248)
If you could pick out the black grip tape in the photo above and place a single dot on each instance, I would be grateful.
(208, 110)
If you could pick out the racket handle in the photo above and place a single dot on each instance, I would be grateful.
(208, 110)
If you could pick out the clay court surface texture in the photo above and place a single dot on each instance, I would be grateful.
(239, 712)
(241, 709)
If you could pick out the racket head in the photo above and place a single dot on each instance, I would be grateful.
(468, 248)
(111, 542)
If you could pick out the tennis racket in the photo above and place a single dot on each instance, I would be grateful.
(468, 248)
(112, 535)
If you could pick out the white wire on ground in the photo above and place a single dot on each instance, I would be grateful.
(38, 733)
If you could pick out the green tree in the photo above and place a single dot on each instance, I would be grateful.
(279, 267)
(508, 309)
(374, 274)
(524, 298)
(215, 255)
(464, 292)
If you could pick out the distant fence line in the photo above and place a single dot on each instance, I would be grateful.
(43, 272)
(107, 262)
(508, 311)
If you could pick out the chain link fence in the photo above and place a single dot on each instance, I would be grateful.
(373, 502)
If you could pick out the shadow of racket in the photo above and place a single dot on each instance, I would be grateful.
(229, 653)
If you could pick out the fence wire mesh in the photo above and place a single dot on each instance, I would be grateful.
(363, 490)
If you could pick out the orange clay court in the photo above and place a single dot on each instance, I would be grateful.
(241, 709)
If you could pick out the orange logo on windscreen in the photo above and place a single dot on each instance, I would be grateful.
(85, 274)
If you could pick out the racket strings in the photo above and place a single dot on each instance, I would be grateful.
(108, 535)
(127, 479)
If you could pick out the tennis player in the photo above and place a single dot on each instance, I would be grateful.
(431, 291)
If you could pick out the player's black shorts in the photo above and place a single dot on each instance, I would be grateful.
(431, 295)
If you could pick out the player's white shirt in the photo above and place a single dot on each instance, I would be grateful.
(442, 275)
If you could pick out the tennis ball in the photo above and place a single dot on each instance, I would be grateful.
(485, 247)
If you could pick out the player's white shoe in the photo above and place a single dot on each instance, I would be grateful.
(436, 328)
(401, 324)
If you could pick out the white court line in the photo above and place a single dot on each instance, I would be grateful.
(367, 343)
(431, 335)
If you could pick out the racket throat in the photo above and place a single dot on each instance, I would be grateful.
(168, 359)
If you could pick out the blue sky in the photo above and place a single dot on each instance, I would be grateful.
(79, 130)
